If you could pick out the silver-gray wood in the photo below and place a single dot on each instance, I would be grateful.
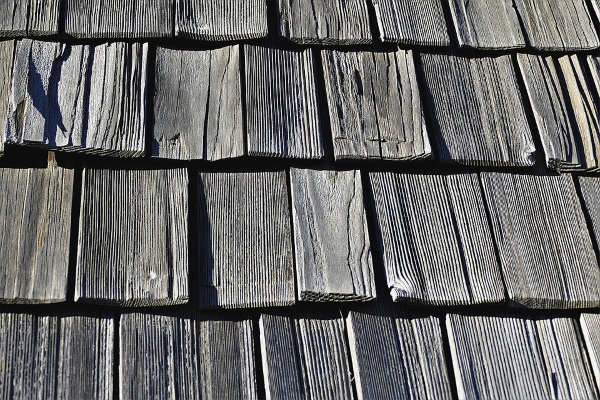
(6, 62)
(29, 17)
(590, 328)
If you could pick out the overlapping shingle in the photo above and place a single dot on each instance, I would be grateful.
(590, 327)
(29, 17)
(80, 97)
(185, 356)
(375, 105)
(590, 191)
(545, 249)
(245, 240)
(333, 252)
(6, 62)
(305, 357)
(435, 240)
(133, 237)
(35, 215)
(477, 110)
(198, 115)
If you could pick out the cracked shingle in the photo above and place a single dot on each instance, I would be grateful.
(29, 17)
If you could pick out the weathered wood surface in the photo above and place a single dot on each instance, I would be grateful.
(245, 240)
(185, 356)
(48, 357)
(221, 20)
(590, 191)
(29, 17)
(281, 103)
(198, 115)
(435, 239)
(594, 67)
(333, 252)
(567, 119)
(557, 24)
(35, 210)
(484, 24)
(133, 237)
(324, 21)
(590, 327)
(13, 17)
(545, 249)
(6, 62)
(119, 18)
(460, 88)
(412, 22)
(305, 357)
(375, 105)
(79, 98)
(397, 356)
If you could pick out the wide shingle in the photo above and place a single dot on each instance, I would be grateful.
(435, 239)
(590, 327)
(6, 61)
(133, 237)
(245, 240)
(545, 249)
(198, 115)
(29, 17)
(477, 110)
(375, 105)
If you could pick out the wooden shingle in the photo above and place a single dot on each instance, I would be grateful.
(6, 61)
(29, 17)
(590, 327)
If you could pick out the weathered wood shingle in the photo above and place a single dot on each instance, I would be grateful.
(6, 61)
(198, 115)
(435, 239)
(80, 97)
(375, 105)
(545, 249)
(477, 110)
(245, 240)
(185, 356)
(590, 191)
(333, 252)
(590, 327)
(221, 20)
(29, 17)
(35, 209)
(281, 102)
(133, 237)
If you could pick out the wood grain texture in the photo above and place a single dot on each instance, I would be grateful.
(594, 68)
(483, 24)
(47, 357)
(245, 240)
(590, 328)
(341, 22)
(35, 210)
(6, 61)
(221, 20)
(29, 17)
(119, 18)
(79, 98)
(185, 356)
(557, 24)
(133, 237)
(590, 192)
(13, 18)
(198, 115)
(305, 357)
(566, 114)
(435, 239)
(375, 105)
(460, 88)
(281, 103)
(545, 249)
(397, 356)
(333, 252)
(409, 22)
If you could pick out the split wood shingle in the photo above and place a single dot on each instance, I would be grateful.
(35, 209)
(133, 237)
(545, 249)
(435, 239)
(375, 105)
(245, 240)
(185, 356)
(6, 61)
(590, 327)
(477, 110)
(198, 104)
(29, 17)
(333, 252)
(590, 192)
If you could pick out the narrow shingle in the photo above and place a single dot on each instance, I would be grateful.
(29, 17)
(590, 191)
(590, 327)
(6, 62)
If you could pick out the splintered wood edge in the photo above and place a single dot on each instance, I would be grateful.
(455, 363)
(263, 356)
(348, 326)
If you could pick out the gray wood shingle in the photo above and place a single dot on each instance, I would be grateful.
(305, 357)
(545, 249)
(281, 103)
(79, 98)
(198, 115)
(245, 240)
(333, 252)
(185, 356)
(590, 327)
(6, 61)
(221, 20)
(29, 17)
(460, 88)
(35, 209)
(133, 237)
(590, 191)
(375, 105)
(435, 239)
